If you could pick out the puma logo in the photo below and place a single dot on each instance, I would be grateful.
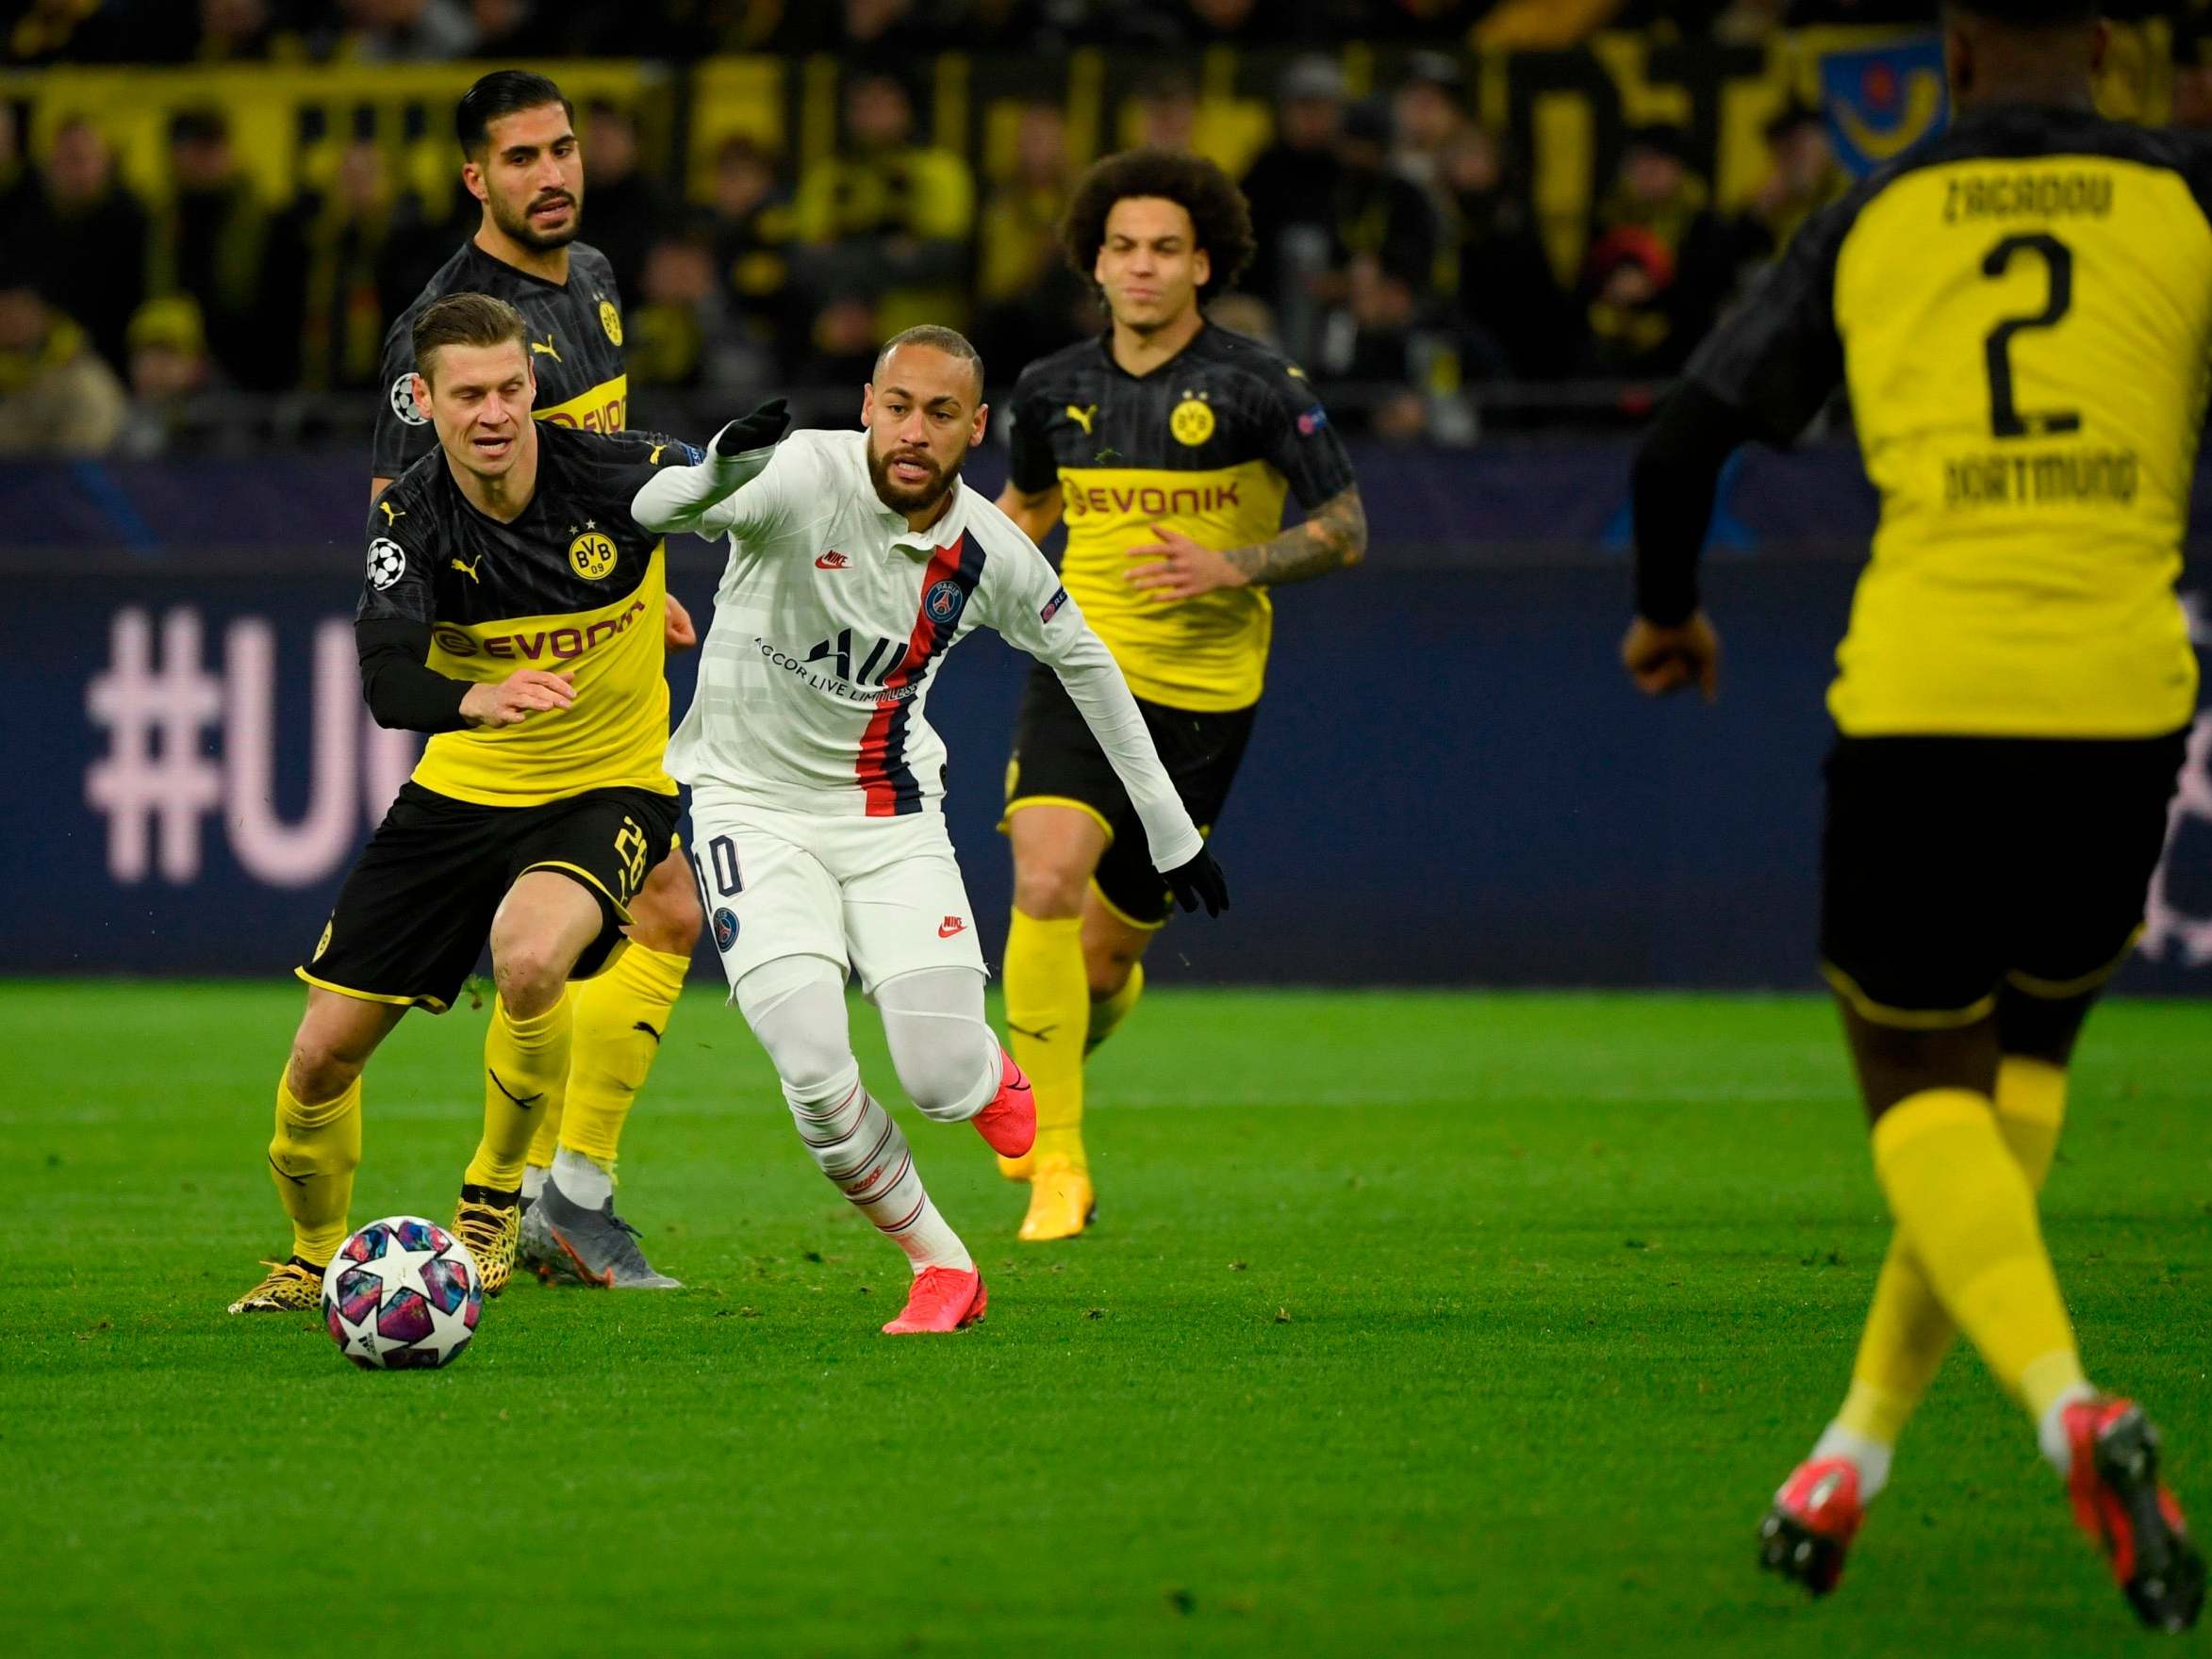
(295, 1180)
(654, 459)
(641, 1025)
(391, 515)
(469, 571)
(1083, 417)
(524, 1101)
(546, 349)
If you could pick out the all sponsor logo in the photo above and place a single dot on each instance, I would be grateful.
(832, 559)
(530, 644)
(951, 926)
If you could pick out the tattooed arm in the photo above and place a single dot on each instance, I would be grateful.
(1176, 567)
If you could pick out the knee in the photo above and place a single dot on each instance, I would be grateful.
(531, 976)
(811, 1068)
(1107, 975)
(665, 915)
(319, 1071)
(1049, 891)
(946, 1082)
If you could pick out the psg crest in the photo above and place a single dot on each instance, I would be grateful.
(725, 928)
(942, 604)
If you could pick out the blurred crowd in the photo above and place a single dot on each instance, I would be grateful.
(1399, 256)
(208, 31)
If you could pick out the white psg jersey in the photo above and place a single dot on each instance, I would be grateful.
(831, 619)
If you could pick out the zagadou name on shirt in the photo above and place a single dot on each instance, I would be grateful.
(2014, 195)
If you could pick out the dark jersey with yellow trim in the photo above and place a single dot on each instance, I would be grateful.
(1207, 444)
(575, 349)
(573, 584)
(2022, 311)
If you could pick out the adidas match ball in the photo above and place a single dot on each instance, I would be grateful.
(401, 1294)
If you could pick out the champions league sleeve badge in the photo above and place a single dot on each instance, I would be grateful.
(403, 400)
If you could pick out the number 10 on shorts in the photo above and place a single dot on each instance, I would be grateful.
(719, 878)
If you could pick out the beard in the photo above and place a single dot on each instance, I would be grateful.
(917, 497)
(518, 226)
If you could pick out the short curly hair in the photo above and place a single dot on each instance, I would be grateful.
(1219, 213)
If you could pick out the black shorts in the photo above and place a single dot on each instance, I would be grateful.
(1953, 866)
(415, 912)
(1057, 762)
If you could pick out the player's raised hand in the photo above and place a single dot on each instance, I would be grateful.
(1176, 567)
(521, 694)
(677, 630)
(1201, 882)
(1663, 660)
(756, 431)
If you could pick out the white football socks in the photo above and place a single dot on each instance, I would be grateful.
(581, 1178)
(1871, 1457)
(534, 1181)
(796, 1007)
(2050, 1432)
(858, 1147)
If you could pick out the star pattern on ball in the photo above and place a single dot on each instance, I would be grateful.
(398, 1268)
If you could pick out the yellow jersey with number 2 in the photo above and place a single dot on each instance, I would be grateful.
(2022, 311)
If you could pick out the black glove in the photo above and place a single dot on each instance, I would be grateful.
(1199, 882)
(759, 430)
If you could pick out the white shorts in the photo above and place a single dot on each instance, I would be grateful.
(882, 896)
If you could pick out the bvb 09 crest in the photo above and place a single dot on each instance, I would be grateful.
(611, 320)
(1191, 421)
(591, 555)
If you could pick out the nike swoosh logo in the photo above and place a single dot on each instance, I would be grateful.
(524, 1101)
(1042, 1035)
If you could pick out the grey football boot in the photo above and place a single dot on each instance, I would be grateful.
(564, 1241)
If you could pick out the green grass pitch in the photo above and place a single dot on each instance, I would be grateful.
(1411, 1323)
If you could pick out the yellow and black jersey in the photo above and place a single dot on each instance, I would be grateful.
(1207, 444)
(2021, 310)
(572, 584)
(575, 349)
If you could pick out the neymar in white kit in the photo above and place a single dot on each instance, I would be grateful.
(857, 559)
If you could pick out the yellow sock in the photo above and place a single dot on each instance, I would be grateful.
(546, 1139)
(525, 1071)
(1967, 1212)
(311, 1158)
(1048, 1016)
(1908, 1333)
(1106, 1016)
(2031, 1112)
(620, 1018)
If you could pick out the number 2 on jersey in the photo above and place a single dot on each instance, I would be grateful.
(2005, 419)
